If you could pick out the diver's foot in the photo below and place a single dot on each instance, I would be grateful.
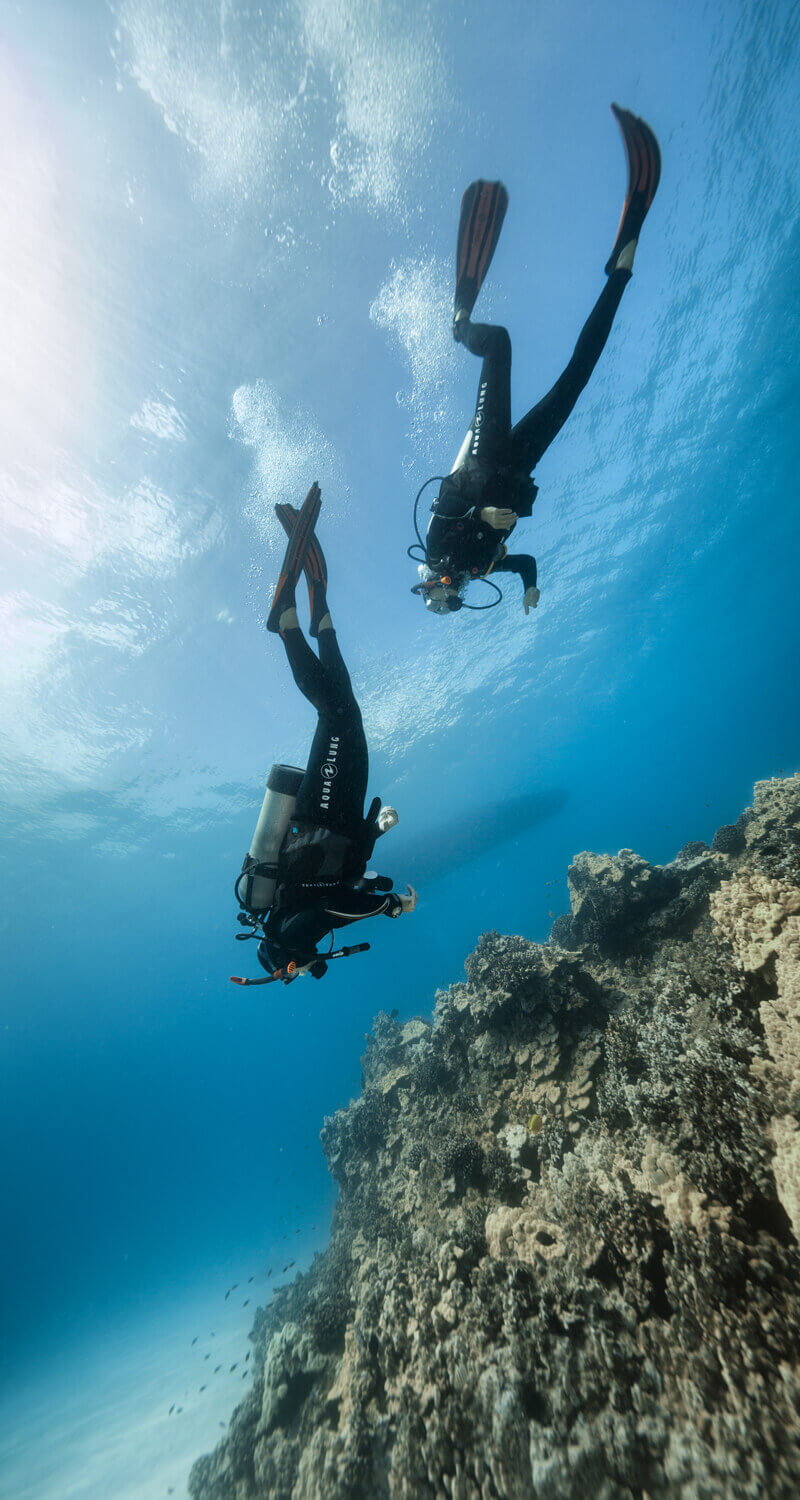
(288, 621)
(644, 170)
(460, 317)
(282, 600)
(294, 561)
(319, 608)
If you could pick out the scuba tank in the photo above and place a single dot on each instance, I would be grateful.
(255, 887)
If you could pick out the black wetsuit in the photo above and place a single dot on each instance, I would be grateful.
(501, 457)
(329, 842)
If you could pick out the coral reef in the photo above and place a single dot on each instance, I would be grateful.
(564, 1260)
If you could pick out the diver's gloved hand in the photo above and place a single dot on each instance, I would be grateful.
(531, 598)
(387, 818)
(408, 903)
(499, 517)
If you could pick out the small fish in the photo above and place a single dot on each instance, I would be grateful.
(213, 1335)
(535, 1124)
(217, 1369)
(292, 1263)
(233, 1367)
(247, 1356)
(235, 1284)
(249, 1279)
(245, 1375)
(171, 1410)
(227, 1295)
(285, 1269)
(194, 1341)
(203, 1387)
(180, 1409)
(551, 914)
(246, 1302)
(206, 1356)
(297, 1231)
(269, 1272)
(222, 1424)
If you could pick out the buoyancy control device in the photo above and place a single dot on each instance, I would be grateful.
(255, 888)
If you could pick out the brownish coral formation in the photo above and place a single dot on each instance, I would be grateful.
(564, 1262)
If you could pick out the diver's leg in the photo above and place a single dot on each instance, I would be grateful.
(307, 671)
(335, 784)
(535, 432)
(491, 423)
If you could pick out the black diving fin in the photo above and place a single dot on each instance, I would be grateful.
(314, 567)
(483, 209)
(643, 156)
(283, 598)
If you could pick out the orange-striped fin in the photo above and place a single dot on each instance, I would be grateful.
(643, 156)
(295, 555)
(314, 566)
(483, 209)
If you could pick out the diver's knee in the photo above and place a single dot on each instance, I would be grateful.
(500, 340)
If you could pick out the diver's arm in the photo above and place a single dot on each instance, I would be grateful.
(518, 562)
(345, 906)
(378, 821)
(340, 908)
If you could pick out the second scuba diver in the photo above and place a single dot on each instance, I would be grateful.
(490, 486)
(305, 874)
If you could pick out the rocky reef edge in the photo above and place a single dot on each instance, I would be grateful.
(564, 1260)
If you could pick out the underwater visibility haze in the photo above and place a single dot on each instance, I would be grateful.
(227, 237)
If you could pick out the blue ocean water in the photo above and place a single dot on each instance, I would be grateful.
(227, 245)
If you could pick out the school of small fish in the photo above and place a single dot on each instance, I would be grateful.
(227, 1295)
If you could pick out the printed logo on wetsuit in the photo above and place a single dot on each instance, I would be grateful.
(478, 420)
(328, 771)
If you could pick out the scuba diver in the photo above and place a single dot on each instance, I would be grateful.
(490, 485)
(305, 875)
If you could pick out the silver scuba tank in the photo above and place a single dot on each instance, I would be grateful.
(463, 452)
(257, 889)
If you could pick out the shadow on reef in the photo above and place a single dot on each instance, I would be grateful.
(452, 845)
(564, 1260)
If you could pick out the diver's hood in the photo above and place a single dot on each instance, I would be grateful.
(440, 598)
